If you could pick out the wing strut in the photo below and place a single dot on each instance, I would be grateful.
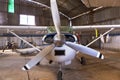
(24, 40)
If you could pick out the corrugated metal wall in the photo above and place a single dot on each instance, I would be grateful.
(114, 43)
(42, 15)
(3, 41)
(103, 16)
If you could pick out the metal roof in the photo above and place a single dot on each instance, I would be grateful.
(73, 8)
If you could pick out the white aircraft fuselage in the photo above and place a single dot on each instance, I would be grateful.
(62, 54)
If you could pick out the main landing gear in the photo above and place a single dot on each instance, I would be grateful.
(59, 74)
(83, 60)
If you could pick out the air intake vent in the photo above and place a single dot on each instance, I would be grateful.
(59, 52)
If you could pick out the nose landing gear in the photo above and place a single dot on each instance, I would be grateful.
(59, 74)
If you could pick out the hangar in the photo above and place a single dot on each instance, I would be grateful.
(74, 28)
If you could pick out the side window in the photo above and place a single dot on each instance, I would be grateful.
(70, 38)
(49, 39)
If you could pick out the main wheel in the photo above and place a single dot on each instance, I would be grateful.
(83, 60)
(59, 75)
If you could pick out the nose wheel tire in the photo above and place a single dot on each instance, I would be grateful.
(59, 75)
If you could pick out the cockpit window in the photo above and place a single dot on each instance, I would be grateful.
(49, 39)
(68, 37)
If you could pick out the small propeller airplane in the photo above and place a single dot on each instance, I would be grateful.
(63, 47)
(60, 51)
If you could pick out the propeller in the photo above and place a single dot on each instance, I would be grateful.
(81, 48)
(85, 50)
(56, 18)
(38, 57)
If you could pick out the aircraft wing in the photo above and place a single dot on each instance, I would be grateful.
(24, 27)
(95, 26)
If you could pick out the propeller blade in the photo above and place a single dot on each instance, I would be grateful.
(85, 50)
(38, 57)
(55, 16)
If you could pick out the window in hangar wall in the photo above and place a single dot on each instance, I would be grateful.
(27, 19)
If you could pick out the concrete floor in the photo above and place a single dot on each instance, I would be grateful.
(95, 69)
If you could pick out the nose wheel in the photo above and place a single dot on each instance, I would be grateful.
(59, 74)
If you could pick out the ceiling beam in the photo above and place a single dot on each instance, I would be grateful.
(95, 9)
